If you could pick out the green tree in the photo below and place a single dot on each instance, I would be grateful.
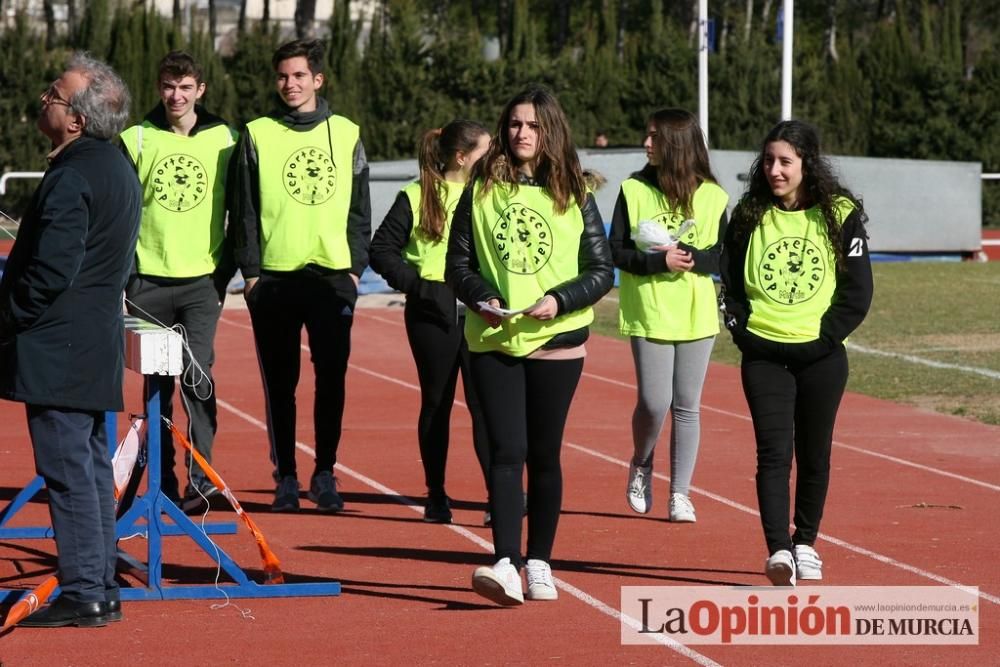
(26, 69)
(659, 70)
(399, 101)
(343, 63)
(251, 75)
(139, 39)
(95, 28)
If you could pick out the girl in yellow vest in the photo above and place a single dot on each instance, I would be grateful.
(798, 281)
(528, 256)
(667, 302)
(408, 249)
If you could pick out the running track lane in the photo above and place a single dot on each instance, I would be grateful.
(397, 571)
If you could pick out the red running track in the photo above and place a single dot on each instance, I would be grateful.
(911, 501)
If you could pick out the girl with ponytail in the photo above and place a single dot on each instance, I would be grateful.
(408, 250)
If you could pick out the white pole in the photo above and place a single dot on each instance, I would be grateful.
(787, 38)
(703, 66)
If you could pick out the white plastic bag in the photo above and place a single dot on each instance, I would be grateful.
(652, 234)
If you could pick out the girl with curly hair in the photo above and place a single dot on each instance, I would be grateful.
(797, 281)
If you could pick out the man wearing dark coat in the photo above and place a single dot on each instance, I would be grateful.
(61, 329)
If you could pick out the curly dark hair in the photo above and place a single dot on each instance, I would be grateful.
(819, 182)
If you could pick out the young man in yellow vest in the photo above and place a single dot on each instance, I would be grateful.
(301, 225)
(181, 154)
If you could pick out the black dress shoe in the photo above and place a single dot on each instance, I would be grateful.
(114, 611)
(65, 612)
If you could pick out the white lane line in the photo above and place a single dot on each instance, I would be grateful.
(484, 544)
(823, 536)
(725, 501)
(913, 359)
(853, 448)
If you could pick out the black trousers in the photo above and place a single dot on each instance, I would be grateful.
(280, 305)
(71, 454)
(196, 307)
(440, 353)
(525, 403)
(794, 407)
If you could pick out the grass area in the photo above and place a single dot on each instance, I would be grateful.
(941, 312)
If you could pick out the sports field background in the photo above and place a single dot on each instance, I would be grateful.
(939, 322)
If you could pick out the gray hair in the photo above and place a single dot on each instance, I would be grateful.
(104, 102)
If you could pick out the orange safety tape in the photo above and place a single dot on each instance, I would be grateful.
(272, 568)
(30, 603)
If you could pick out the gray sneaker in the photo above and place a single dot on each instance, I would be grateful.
(286, 495)
(323, 492)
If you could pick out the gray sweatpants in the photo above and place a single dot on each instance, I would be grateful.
(670, 376)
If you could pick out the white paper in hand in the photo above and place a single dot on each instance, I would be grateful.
(502, 312)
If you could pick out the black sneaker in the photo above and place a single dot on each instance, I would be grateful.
(286, 495)
(198, 497)
(437, 509)
(323, 492)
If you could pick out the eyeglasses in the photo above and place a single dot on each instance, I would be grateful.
(51, 96)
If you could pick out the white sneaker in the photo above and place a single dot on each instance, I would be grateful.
(681, 509)
(540, 584)
(780, 568)
(640, 488)
(500, 583)
(808, 565)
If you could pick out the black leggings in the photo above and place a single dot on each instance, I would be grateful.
(525, 403)
(794, 407)
(440, 352)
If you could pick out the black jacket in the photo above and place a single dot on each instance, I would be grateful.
(852, 296)
(428, 299)
(61, 330)
(595, 277)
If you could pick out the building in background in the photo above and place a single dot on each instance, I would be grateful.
(196, 13)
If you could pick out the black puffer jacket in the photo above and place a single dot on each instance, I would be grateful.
(595, 272)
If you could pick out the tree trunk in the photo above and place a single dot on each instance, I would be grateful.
(562, 23)
(177, 18)
(748, 23)
(305, 18)
(693, 30)
(50, 23)
(241, 22)
(831, 33)
(265, 17)
(765, 18)
(71, 20)
(620, 33)
(212, 22)
(503, 26)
